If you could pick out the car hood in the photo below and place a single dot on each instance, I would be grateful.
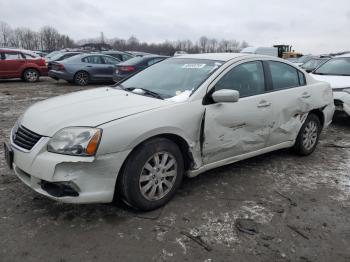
(86, 108)
(334, 81)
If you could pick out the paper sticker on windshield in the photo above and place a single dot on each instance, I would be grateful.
(194, 66)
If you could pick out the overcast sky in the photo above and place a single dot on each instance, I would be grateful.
(311, 26)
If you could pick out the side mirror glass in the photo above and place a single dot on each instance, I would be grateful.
(225, 96)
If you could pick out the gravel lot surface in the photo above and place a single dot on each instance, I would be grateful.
(275, 207)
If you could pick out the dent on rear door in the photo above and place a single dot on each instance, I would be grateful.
(291, 108)
(289, 112)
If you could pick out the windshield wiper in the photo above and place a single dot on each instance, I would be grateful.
(324, 74)
(145, 91)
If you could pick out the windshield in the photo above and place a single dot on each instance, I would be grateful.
(48, 56)
(303, 59)
(56, 56)
(134, 61)
(29, 54)
(313, 63)
(335, 66)
(173, 77)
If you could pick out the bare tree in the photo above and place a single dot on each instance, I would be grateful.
(244, 44)
(133, 43)
(5, 34)
(203, 44)
(49, 38)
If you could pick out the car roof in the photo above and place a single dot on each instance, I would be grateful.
(71, 52)
(83, 55)
(113, 52)
(15, 50)
(141, 59)
(155, 56)
(217, 56)
(345, 55)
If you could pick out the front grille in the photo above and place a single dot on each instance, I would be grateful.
(25, 138)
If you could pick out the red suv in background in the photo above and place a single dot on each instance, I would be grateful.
(21, 64)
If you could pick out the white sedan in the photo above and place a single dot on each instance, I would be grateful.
(182, 116)
(337, 72)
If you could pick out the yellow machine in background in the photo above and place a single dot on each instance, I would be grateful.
(285, 51)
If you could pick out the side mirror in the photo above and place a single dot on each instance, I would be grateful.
(225, 96)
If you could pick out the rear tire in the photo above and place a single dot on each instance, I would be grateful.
(152, 174)
(308, 136)
(31, 75)
(81, 78)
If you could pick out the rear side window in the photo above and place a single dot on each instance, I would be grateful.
(285, 76)
(111, 60)
(118, 56)
(12, 56)
(247, 78)
(92, 60)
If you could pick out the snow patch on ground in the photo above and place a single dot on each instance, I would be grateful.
(220, 228)
(317, 176)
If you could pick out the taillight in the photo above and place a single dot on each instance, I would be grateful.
(59, 67)
(126, 68)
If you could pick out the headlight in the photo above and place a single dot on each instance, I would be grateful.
(77, 141)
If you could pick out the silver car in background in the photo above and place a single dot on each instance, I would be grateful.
(85, 68)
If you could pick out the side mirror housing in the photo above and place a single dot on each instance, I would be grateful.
(225, 96)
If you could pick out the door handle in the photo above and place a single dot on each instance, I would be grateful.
(88, 66)
(264, 103)
(305, 95)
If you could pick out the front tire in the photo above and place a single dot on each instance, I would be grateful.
(81, 78)
(308, 136)
(152, 174)
(31, 75)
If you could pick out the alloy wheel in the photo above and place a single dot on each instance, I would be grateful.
(158, 176)
(310, 134)
(82, 78)
(31, 75)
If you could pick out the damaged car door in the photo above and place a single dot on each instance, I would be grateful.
(291, 99)
(236, 128)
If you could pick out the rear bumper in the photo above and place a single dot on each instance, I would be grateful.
(43, 71)
(60, 75)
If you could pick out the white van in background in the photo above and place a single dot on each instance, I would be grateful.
(271, 51)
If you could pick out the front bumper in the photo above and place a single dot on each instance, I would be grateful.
(342, 101)
(92, 178)
(60, 75)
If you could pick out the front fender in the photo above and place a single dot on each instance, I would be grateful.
(183, 120)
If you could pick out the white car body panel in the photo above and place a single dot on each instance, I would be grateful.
(338, 83)
(85, 108)
(214, 136)
(270, 51)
